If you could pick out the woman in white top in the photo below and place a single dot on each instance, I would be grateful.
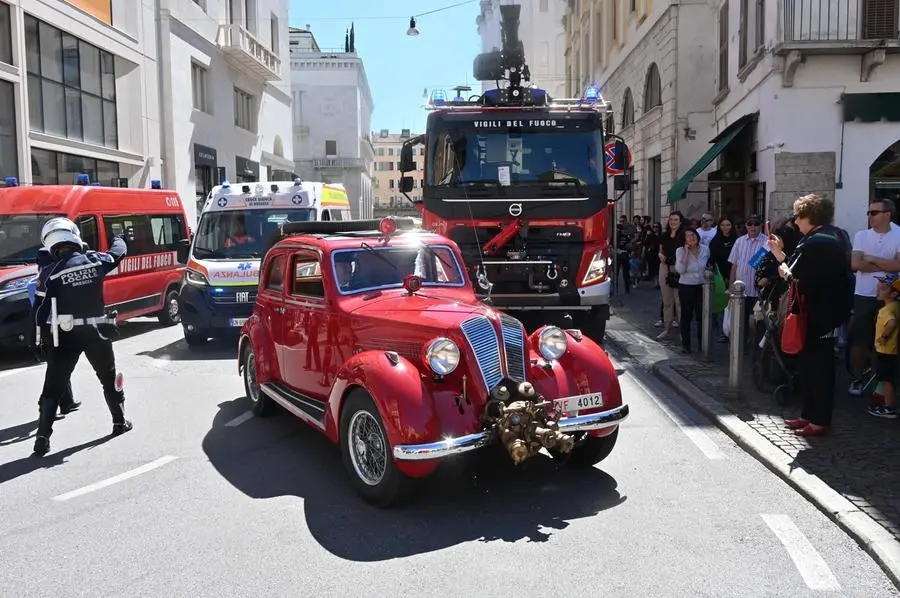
(690, 263)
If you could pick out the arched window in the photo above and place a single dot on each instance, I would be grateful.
(627, 109)
(652, 89)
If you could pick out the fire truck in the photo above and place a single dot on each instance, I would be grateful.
(519, 181)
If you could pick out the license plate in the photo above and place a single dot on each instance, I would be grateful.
(238, 321)
(572, 405)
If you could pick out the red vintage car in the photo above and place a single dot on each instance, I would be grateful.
(370, 332)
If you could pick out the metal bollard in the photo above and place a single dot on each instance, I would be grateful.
(706, 322)
(736, 346)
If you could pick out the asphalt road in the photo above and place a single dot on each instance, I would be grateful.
(202, 500)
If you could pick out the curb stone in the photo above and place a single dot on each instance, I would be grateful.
(872, 537)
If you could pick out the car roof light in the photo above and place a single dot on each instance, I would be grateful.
(412, 283)
(387, 226)
(592, 93)
(83, 179)
(11, 181)
(438, 97)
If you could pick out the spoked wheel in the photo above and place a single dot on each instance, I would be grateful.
(261, 404)
(367, 453)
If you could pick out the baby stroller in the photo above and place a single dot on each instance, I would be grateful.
(772, 368)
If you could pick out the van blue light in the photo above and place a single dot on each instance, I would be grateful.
(83, 179)
(155, 184)
(592, 93)
(438, 97)
(218, 290)
(226, 184)
(297, 182)
(11, 181)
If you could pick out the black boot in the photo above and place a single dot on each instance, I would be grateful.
(70, 408)
(41, 446)
(119, 429)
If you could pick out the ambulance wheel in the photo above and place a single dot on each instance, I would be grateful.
(171, 311)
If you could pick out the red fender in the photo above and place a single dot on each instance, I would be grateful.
(263, 349)
(584, 368)
(403, 397)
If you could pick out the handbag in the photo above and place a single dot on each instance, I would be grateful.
(793, 333)
(672, 279)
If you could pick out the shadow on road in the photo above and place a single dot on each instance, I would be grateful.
(13, 469)
(180, 351)
(482, 498)
(15, 434)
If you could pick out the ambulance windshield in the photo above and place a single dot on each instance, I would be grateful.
(240, 234)
(20, 237)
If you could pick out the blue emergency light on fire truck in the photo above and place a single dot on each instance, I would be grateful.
(518, 180)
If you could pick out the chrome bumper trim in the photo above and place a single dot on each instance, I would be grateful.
(471, 442)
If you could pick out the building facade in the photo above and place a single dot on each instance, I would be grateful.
(332, 117)
(542, 34)
(388, 198)
(653, 60)
(808, 102)
(78, 92)
(226, 86)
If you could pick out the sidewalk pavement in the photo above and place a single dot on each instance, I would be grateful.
(853, 475)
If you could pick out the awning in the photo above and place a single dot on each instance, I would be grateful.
(720, 142)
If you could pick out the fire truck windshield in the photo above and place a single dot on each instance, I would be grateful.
(478, 165)
(524, 151)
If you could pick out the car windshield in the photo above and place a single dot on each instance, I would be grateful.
(20, 237)
(369, 268)
(240, 234)
(516, 152)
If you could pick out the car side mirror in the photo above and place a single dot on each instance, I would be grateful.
(621, 161)
(406, 184)
(407, 164)
(183, 250)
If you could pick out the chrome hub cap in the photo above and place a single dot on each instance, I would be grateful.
(368, 448)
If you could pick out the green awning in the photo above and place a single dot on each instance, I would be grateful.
(679, 189)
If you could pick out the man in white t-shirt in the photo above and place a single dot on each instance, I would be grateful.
(876, 251)
(707, 230)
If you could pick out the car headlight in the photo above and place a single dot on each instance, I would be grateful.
(195, 278)
(16, 284)
(442, 356)
(596, 269)
(552, 343)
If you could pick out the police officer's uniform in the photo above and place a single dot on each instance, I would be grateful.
(42, 340)
(73, 306)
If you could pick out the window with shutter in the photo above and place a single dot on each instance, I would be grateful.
(879, 19)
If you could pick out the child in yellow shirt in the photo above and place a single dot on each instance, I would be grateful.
(886, 330)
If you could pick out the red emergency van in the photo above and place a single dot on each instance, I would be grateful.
(146, 282)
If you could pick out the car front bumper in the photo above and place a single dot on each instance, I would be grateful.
(470, 442)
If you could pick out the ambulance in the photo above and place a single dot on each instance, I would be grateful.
(219, 287)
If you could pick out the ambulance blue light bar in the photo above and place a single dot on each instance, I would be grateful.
(592, 93)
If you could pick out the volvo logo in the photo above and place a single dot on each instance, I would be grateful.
(515, 210)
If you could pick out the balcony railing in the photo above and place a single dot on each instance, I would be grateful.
(338, 163)
(839, 23)
(248, 53)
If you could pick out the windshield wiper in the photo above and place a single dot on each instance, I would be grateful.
(547, 184)
(434, 254)
(374, 252)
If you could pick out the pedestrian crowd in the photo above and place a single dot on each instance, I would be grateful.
(826, 291)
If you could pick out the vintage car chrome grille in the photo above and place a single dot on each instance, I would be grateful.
(482, 338)
(514, 345)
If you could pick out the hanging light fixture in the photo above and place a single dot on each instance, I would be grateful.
(412, 27)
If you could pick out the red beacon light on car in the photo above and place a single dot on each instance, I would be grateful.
(412, 283)
(387, 226)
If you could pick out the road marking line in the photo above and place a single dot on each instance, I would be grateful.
(694, 432)
(806, 558)
(240, 419)
(116, 479)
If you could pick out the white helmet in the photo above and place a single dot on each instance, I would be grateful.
(58, 231)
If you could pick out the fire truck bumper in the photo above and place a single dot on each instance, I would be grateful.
(591, 298)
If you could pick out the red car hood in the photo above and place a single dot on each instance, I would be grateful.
(418, 315)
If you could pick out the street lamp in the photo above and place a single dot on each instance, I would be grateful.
(412, 27)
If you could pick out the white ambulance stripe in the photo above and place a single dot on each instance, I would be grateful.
(90, 266)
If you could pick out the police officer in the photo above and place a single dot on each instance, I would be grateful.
(73, 305)
(67, 402)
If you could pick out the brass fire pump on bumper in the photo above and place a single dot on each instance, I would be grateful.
(517, 414)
